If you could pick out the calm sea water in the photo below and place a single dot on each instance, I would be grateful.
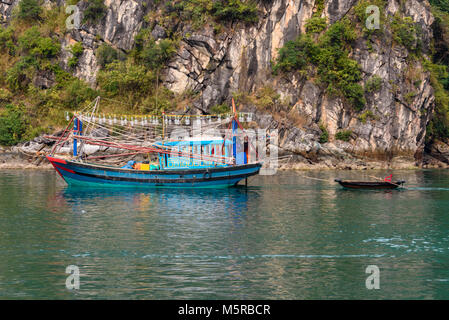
(283, 237)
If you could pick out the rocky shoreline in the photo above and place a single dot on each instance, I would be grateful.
(31, 155)
(12, 158)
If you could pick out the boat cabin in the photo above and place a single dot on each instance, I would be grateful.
(198, 153)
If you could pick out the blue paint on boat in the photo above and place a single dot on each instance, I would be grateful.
(86, 174)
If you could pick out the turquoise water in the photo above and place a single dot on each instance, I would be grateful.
(283, 237)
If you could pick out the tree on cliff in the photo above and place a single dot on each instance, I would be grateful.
(29, 10)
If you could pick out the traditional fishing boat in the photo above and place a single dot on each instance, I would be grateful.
(77, 173)
(204, 161)
(369, 184)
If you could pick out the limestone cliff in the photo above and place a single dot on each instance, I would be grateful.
(239, 59)
(242, 62)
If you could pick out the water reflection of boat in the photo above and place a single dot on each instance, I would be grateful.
(168, 200)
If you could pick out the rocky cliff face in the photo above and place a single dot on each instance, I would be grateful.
(6, 7)
(239, 60)
(122, 22)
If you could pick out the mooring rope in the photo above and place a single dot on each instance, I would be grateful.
(318, 179)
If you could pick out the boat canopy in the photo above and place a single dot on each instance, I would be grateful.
(204, 149)
(195, 142)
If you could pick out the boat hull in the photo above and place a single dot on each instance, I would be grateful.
(84, 174)
(370, 185)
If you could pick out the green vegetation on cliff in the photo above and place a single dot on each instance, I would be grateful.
(316, 25)
(76, 50)
(95, 11)
(151, 54)
(134, 78)
(438, 67)
(443, 5)
(32, 77)
(29, 10)
(201, 11)
(406, 32)
(324, 137)
(106, 54)
(329, 55)
(323, 54)
(13, 125)
(344, 135)
(234, 10)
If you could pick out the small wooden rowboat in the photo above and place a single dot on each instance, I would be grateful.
(369, 184)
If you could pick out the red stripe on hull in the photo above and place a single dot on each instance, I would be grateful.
(57, 166)
(52, 160)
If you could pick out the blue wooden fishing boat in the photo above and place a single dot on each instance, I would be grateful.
(173, 169)
(86, 174)
(189, 162)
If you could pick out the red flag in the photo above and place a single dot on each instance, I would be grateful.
(389, 178)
